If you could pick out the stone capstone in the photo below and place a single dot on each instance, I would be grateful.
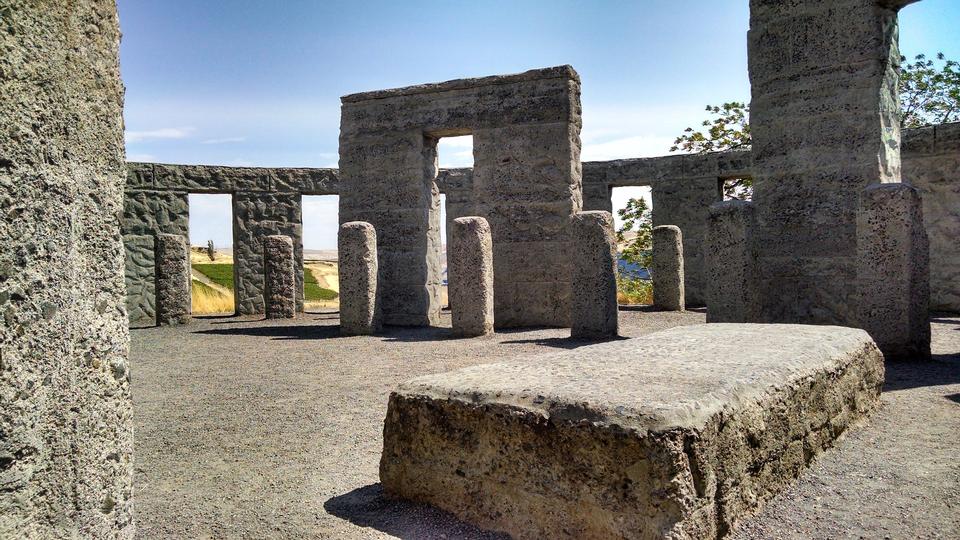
(280, 283)
(470, 277)
(594, 311)
(173, 282)
(358, 273)
(667, 268)
(677, 434)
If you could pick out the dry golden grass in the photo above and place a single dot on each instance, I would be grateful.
(208, 300)
(198, 255)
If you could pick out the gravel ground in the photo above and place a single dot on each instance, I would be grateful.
(272, 429)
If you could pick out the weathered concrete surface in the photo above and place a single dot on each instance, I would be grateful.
(470, 277)
(731, 262)
(279, 277)
(893, 277)
(824, 121)
(526, 183)
(172, 279)
(677, 434)
(667, 268)
(358, 267)
(66, 437)
(594, 311)
(140, 270)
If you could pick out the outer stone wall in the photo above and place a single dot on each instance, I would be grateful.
(731, 262)
(526, 183)
(66, 437)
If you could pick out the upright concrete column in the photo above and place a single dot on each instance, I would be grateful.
(470, 275)
(279, 277)
(174, 303)
(893, 278)
(358, 268)
(668, 290)
(593, 307)
(731, 262)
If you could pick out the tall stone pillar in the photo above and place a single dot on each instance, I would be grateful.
(470, 275)
(174, 304)
(593, 306)
(731, 262)
(824, 120)
(358, 268)
(893, 277)
(668, 290)
(279, 277)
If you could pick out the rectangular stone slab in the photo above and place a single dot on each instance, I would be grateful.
(676, 434)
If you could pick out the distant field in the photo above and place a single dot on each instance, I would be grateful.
(312, 291)
(222, 275)
(219, 273)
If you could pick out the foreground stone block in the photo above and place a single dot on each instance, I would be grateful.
(667, 268)
(594, 312)
(893, 276)
(359, 296)
(174, 303)
(731, 261)
(280, 282)
(470, 275)
(673, 435)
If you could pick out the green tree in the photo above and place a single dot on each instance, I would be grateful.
(636, 238)
(929, 91)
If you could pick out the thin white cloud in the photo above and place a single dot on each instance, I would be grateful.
(627, 147)
(143, 158)
(162, 133)
(224, 140)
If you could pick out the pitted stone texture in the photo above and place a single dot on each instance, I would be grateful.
(731, 262)
(470, 277)
(526, 184)
(257, 215)
(594, 312)
(893, 274)
(140, 272)
(673, 435)
(359, 279)
(172, 258)
(667, 268)
(66, 425)
(280, 282)
(824, 122)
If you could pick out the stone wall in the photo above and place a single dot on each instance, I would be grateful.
(66, 427)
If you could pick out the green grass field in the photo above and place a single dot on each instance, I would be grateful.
(312, 291)
(222, 274)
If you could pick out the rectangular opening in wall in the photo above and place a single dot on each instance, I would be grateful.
(633, 221)
(452, 153)
(211, 254)
(321, 284)
(736, 189)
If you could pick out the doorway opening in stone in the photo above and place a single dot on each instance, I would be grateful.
(739, 188)
(633, 221)
(321, 284)
(211, 254)
(452, 153)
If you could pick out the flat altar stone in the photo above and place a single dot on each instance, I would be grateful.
(676, 434)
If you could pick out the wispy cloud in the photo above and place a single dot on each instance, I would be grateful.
(143, 158)
(162, 133)
(626, 147)
(224, 140)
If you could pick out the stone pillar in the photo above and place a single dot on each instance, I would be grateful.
(279, 277)
(824, 120)
(668, 289)
(893, 279)
(593, 307)
(470, 277)
(731, 262)
(174, 303)
(358, 268)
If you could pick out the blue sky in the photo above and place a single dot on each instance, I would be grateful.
(257, 83)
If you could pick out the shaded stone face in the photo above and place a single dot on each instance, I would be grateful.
(674, 435)
(594, 311)
(66, 435)
(279, 277)
(173, 281)
(893, 273)
(359, 279)
(731, 262)
(668, 293)
(525, 182)
(470, 277)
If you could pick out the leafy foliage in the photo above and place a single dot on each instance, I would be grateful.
(730, 130)
(929, 91)
(637, 220)
(633, 290)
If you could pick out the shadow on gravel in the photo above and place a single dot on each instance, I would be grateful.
(647, 308)
(401, 334)
(278, 332)
(942, 369)
(564, 343)
(367, 507)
